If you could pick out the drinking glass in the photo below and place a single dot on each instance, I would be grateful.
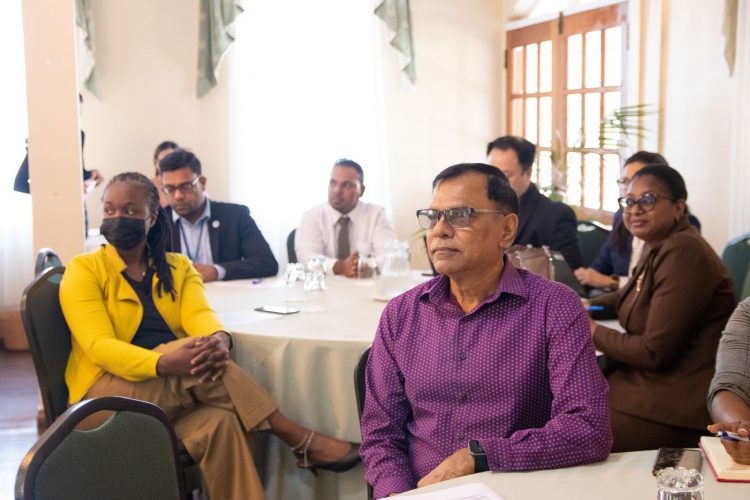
(679, 484)
(294, 277)
(367, 267)
(315, 284)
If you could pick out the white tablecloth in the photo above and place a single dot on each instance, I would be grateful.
(306, 361)
(623, 476)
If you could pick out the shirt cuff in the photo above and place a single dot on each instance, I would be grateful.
(392, 484)
(220, 271)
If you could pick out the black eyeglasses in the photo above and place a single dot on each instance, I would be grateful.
(184, 188)
(647, 201)
(455, 217)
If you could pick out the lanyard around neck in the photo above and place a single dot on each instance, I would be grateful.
(193, 258)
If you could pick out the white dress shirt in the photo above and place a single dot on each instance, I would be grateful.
(194, 240)
(318, 230)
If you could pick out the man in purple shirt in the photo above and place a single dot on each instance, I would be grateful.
(485, 367)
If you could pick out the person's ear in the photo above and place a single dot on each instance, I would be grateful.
(203, 181)
(509, 229)
(680, 209)
(361, 190)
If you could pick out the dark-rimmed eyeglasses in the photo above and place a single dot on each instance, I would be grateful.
(647, 201)
(184, 188)
(455, 217)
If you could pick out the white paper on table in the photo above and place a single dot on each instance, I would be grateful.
(250, 284)
(471, 491)
(245, 316)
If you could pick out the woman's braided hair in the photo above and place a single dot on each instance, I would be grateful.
(159, 236)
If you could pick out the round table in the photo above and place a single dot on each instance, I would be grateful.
(306, 361)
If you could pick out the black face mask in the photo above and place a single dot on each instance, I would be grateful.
(123, 232)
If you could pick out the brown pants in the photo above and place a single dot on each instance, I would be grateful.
(633, 434)
(212, 419)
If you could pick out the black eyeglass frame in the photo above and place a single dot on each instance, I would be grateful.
(628, 202)
(451, 216)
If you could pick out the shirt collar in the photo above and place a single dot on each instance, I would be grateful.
(336, 215)
(205, 215)
(510, 283)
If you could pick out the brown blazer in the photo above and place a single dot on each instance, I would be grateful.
(673, 309)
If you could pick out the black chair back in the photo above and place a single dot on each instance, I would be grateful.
(131, 455)
(49, 339)
(736, 256)
(291, 254)
(591, 237)
(359, 391)
(45, 258)
(359, 380)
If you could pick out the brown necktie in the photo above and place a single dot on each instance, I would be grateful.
(342, 249)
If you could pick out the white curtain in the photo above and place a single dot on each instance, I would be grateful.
(16, 254)
(739, 210)
(305, 84)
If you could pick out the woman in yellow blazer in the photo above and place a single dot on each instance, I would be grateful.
(142, 328)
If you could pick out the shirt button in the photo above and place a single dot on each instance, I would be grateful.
(464, 398)
(462, 355)
(461, 436)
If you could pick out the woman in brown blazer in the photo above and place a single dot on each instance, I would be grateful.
(673, 310)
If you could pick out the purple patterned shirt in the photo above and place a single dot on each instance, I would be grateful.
(518, 374)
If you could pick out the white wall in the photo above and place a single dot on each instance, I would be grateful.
(456, 107)
(146, 59)
(699, 105)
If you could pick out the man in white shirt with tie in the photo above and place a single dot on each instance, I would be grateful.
(344, 228)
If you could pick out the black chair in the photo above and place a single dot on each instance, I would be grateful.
(49, 342)
(45, 258)
(49, 339)
(591, 237)
(291, 254)
(736, 256)
(131, 455)
(359, 391)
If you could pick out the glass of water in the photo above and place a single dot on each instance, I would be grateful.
(367, 267)
(679, 484)
(294, 277)
(315, 283)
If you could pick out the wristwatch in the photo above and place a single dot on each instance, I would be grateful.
(479, 456)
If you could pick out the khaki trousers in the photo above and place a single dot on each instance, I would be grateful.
(213, 420)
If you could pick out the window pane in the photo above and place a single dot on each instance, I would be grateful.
(593, 119)
(611, 104)
(545, 121)
(613, 56)
(545, 66)
(593, 59)
(531, 119)
(545, 168)
(574, 120)
(611, 174)
(573, 194)
(518, 70)
(575, 61)
(531, 67)
(517, 117)
(591, 181)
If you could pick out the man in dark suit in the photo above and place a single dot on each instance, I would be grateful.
(221, 239)
(541, 220)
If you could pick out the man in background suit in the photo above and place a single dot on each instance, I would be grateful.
(221, 239)
(541, 220)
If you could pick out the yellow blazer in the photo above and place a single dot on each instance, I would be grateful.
(103, 313)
